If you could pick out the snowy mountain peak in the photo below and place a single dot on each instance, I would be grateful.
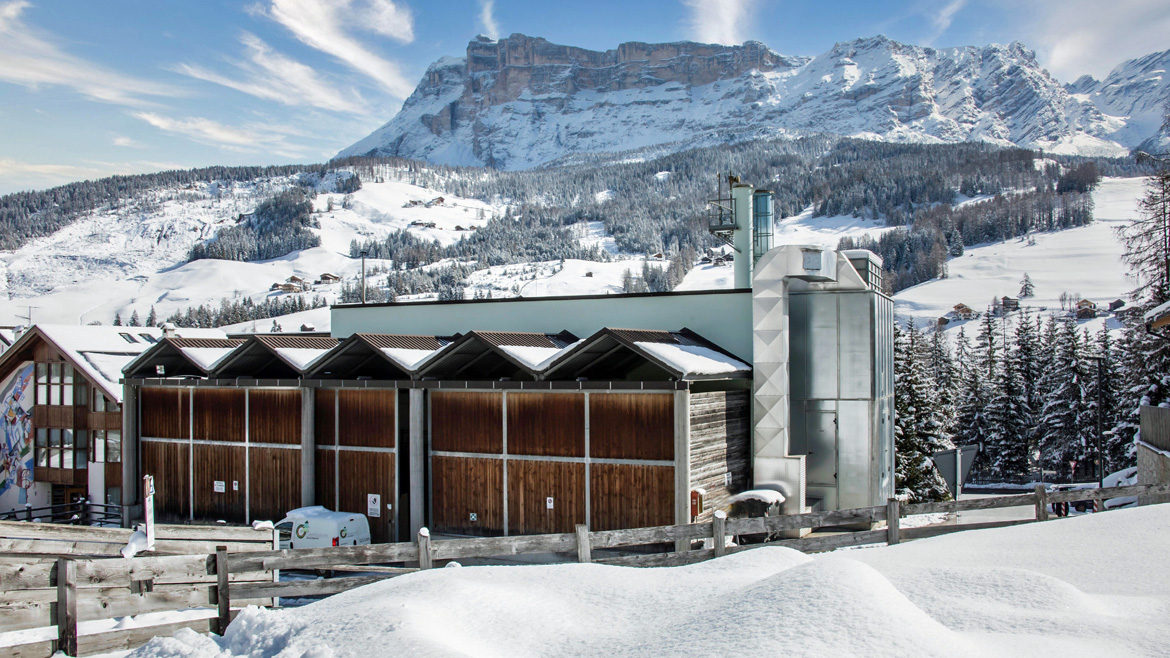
(523, 101)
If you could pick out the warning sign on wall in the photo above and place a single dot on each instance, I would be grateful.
(373, 505)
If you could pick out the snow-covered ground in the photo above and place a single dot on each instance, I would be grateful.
(1095, 585)
(1081, 261)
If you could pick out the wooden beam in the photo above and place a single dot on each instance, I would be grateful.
(719, 532)
(66, 607)
(1041, 503)
(223, 597)
(583, 547)
(893, 521)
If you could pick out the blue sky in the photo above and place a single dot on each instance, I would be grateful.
(88, 89)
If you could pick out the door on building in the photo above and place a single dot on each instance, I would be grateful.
(821, 463)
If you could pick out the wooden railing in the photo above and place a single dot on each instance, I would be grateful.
(65, 592)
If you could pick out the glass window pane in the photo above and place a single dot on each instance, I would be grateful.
(67, 438)
(67, 394)
(42, 373)
(54, 458)
(42, 394)
(99, 445)
(113, 406)
(99, 401)
(67, 373)
(114, 495)
(54, 438)
(42, 437)
(114, 446)
(54, 394)
(67, 458)
(54, 373)
(82, 457)
(42, 457)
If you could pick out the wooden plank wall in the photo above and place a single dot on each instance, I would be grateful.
(631, 426)
(219, 414)
(168, 463)
(165, 413)
(218, 463)
(367, 417)
(364, 473)
(274, 482)
(531, 483)
(462, 486)
(274, 416)
(1155, 423)
(543, 430)
(467, 422)
(629, 496)
(720, 444)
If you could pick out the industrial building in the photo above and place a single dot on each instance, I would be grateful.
(532, 415)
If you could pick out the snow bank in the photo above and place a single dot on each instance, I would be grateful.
(1060, 588)
(694, 359)
(767, 496)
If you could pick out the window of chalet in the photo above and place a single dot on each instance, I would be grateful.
(107, 446)
(128, 338)
(54, 383)
(102, 403)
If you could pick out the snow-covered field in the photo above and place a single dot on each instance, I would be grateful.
(1096, 585)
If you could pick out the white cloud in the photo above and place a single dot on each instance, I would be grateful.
(273, 76)
(251, 138)
(122, 140)
(941, 20)
(328, 26)
(1074, 37)
(719, 21)
(31, 60)
(488, 18)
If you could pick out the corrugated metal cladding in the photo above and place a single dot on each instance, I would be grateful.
(401, 341)
(550, 485)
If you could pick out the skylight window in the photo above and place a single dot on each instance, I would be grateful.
(148, 338)
(128, 338)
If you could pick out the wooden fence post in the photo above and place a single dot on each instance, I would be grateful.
(223, 594)
(66, 606)
(584, 550)
(893, 520)
(719, 532)
(1041, 503)
(425, 559)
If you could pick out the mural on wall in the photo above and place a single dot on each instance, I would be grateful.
(16, 436)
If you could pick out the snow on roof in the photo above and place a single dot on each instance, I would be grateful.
(1158, 311)
(101, 352)
(206, 357)
(300, 357)
(408, 359)
(763, 495)
(693, 359)
(536, 358)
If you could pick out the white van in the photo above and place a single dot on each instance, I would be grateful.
(317, 527)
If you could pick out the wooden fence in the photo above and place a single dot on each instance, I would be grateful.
(65, 592)
(48, 594)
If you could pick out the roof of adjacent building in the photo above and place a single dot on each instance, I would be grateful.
(99, 352)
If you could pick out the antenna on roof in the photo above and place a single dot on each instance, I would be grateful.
(29, 316)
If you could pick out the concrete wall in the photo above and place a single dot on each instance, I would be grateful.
(723, 317)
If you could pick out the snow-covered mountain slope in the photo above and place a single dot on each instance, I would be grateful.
(1080, 261)
(117, 261)
(521, 101)
(1136, 92)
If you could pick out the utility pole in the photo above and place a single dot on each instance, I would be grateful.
(364, 254)
(1100, 359)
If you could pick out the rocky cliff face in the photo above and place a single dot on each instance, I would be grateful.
(522, 101)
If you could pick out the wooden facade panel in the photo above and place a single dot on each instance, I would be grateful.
(364, 473)
(53, 416)
(274, 416)
(463, 486)
(367, 417)
(546, 424)
(324, 417)
(215, 463)
(631, 426)
(628, 496)
(113, 474)
(219, 414)
(274, 481)
(326, 474)
(168, 463)
(531, 484)
(165, 412)
(104, 420)
(467, 422)
(720, 428)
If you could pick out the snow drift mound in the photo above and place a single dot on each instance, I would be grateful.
(1063, 589)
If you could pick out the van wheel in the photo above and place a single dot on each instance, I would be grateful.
(324, 573)
(1080, 507)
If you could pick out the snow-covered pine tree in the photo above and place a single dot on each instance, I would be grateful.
(1107, 376)
(971, 425)
(1009, 417)
(152, 318)
(1027, 289)
(916, 431)
(945, 377)
(1060, 434)
(117, 319)
(1029, 352)
(135, 321)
